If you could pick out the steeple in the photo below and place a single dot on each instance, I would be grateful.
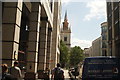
(65, 18)
(65, 23)
(66, 32)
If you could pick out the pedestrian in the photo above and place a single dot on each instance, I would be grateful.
(57, 73)
(15, 71)
(5, 74)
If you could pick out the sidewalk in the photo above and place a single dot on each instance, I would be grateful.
(66, 74)
(80, 75)
(67, 77)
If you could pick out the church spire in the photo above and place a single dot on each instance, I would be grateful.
(65, 18)
(65, 23)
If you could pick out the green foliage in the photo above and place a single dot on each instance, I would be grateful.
(76, 55)
(64, 54)
(70, 57)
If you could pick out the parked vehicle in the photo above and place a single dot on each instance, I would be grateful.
(101, 68)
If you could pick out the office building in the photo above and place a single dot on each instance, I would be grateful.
(113, 17)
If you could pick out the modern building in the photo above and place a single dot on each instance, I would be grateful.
(27, 33)
(113, 19)
(96, 47)
(104, 37)
(66, 32)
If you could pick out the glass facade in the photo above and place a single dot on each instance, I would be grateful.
(104, 30)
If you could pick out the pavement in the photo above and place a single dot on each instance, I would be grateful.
(67, 77)
(66, 74)
(80, 73)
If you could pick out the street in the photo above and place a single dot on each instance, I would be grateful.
(83, 37)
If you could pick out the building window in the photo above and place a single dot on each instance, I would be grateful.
(104, 45)
(104, 29)
(104, 52)
(104, 37)
(51, 5)
(2, 8)
(65, 38)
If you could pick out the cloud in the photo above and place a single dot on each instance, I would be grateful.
(82, 43)
(62, 20)
(97, 10)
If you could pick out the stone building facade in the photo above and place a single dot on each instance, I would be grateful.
(55, 53)
(27, 33)
(86, 52)
(96, 47)
(113, 17)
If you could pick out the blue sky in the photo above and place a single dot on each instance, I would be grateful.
(85, 19)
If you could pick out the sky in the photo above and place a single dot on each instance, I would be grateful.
(85, 20)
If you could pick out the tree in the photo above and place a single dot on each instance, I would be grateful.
(76, 56)
(64, 54)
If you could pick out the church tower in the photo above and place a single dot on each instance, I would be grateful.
(66, 32)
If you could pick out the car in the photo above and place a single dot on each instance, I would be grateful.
(101, 68)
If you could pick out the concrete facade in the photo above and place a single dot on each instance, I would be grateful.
(96, 47)
(104, 38)
(27, 34)
(113, 17)
(86, 52)
(90, 51)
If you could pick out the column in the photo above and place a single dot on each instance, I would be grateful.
(1, 32)
(32, 55)
(113, 37)
(54, 48)
(11, 31)
(43, 45)
(49, 42)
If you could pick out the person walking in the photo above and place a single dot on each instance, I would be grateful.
(57, 73)
(5, 74)
(15, 71)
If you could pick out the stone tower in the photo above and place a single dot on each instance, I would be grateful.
(66, 32)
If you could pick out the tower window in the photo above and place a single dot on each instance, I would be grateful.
(65, 38)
